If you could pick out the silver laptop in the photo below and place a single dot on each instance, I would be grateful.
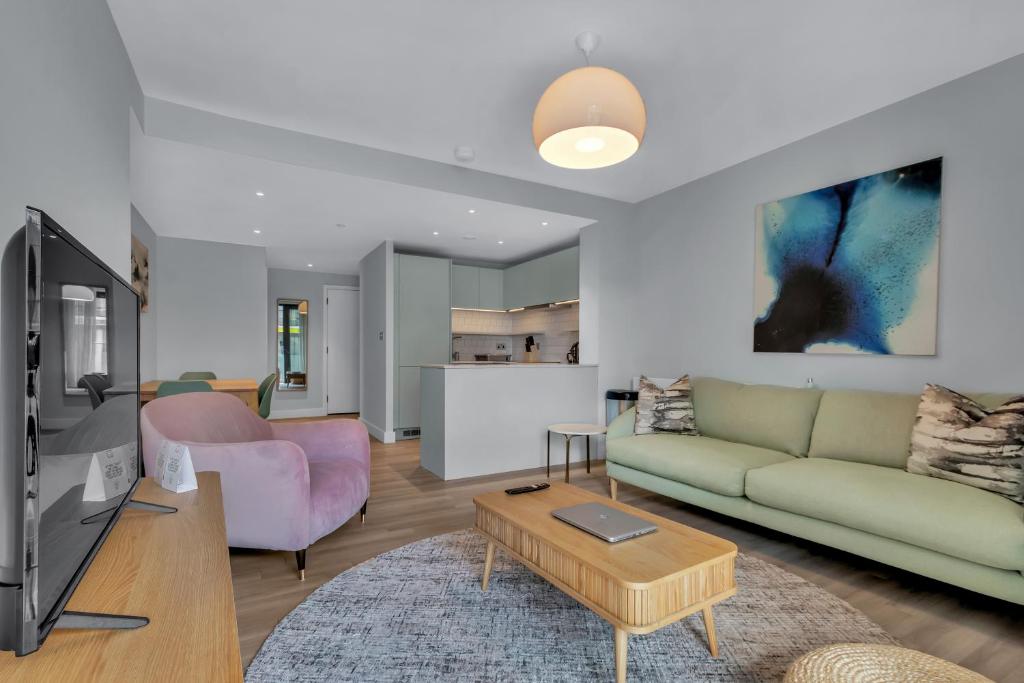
(604, 522)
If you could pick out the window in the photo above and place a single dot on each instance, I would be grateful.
(84, 314)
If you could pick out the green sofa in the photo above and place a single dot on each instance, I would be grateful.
(828, 466)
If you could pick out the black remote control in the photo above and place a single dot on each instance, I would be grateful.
(526, 489)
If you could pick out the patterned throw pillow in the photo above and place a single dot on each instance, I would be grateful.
(665, 410)
(956, 438)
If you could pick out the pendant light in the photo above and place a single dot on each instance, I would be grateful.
(590, 117)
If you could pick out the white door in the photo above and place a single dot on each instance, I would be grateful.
(341, 348)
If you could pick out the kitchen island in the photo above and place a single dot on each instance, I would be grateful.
(488, 418)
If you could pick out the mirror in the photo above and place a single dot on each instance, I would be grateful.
(292, 338)
(84, 322)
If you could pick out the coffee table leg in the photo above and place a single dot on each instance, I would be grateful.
(588, 453)
(488, 562)
(709, 626)
(621, 641)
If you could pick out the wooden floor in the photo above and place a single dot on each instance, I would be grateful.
(407, 503)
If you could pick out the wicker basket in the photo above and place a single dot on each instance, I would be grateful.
(858, 663)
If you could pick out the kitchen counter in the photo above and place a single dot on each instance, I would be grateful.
(495, 418)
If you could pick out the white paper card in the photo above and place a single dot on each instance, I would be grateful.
(111, 473)
(174, 470)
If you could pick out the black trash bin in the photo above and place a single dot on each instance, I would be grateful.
(618, 401)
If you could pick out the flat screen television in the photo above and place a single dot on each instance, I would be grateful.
(69, 421)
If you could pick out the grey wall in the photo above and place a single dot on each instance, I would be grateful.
(299, 284)
(376, 345)
(67, 90)
(67, 87)
(677, 285)
(212, 302)
(148, 337)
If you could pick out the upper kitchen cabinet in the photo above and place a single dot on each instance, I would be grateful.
(474, 287)
(422, 309)
(465, 287)
(548, 279)
(492, 289)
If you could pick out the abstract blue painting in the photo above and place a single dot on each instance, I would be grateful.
(852, 268)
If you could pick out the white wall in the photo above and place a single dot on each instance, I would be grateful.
(299, 284)
(676, 286)
(212, 302)
(148, 334)
(67, 90)
(376, 347)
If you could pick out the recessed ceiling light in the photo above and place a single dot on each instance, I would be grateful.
(259, 194)
(436, 233)
(501, 241)
(257, 231)
(472, 210)
(544, 223)
(309, 265)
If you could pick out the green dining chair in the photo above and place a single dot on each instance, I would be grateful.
(206, 374)
(265, 393)
(170, 388)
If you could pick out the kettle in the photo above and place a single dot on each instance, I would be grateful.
(574, 354)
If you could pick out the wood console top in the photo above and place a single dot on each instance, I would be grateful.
(172, 568)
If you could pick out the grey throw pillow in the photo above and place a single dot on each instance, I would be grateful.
(665, 410)
(956, 438)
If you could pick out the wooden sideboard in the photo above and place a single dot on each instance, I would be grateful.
(172, 568)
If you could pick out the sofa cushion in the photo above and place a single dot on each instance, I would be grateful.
(936, 514)
(871, 427)
(668, 410)
(711, 464)
(778, 418)
(957, 438)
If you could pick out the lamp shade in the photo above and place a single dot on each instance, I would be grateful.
(589, 118)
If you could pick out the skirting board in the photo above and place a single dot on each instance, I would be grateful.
(378, 433)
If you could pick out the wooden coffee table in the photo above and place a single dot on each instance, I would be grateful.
(638, 585)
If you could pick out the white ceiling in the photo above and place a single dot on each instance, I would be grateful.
(200, 193)
(723, 81)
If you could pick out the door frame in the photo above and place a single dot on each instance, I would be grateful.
(323, 345)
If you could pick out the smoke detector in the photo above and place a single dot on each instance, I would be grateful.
(464, 154)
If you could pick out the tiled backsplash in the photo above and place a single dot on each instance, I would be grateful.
(480, 332)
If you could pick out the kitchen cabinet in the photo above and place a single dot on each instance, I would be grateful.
(465, 287)
(544, 280)
(474, 287)
(423, 292)
(407, 398)
(492, 287)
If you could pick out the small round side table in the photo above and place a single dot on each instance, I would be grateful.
(570, 430)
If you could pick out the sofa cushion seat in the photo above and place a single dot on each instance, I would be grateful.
(711, 464)
(931, 513)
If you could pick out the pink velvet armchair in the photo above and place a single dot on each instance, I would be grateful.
(285, 485)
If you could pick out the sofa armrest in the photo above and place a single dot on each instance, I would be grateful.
(265, 486)
(622, 425)
(328, 439)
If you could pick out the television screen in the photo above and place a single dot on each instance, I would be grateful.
(81, 438)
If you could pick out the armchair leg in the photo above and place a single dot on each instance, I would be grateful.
(300, 560)
(362, 511)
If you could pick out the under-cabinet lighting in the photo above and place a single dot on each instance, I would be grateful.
(567, 301)
(485, 310)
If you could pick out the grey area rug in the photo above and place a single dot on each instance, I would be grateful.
(417, 614)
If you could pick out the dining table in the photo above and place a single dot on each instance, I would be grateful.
(245, 389)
